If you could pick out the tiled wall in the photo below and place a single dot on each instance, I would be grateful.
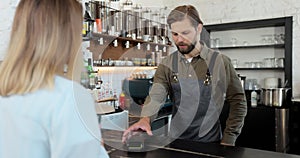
(212, 12)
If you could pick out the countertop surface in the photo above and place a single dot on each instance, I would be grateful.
(156, 146)
(296, 99)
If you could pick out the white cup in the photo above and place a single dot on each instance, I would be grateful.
(146, 37)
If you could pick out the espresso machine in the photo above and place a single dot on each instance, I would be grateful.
(137, 89)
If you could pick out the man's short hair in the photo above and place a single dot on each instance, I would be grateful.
(182, 12)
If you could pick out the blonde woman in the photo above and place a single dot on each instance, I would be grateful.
(43, 112)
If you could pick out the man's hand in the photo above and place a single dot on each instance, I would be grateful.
(143, 124)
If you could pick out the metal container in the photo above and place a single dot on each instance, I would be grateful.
(138, 21)
(94, 9)
(275, 97)
(266, 96)
(280, 96)
(243, 80)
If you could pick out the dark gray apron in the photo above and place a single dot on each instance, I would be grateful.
(191, 98)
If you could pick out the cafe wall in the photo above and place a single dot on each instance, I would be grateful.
(212, 12)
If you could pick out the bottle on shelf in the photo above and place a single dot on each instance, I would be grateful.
(114, 7)
(92, 81)
(153, 59)
(97, 16)
(147, 25)
(91, 75)
(104, 14)
(253, 98)
(122, 99)
(98, 80)
(115, 97)
(88, 21)
(85, 29)
(84, 81)
(138, 25)
(158, 56)
(128, 18)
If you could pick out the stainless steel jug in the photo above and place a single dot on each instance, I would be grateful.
(275, 97)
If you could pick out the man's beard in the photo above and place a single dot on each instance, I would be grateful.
(189, 47)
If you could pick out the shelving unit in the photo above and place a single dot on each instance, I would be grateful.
(253, 41)
(123, 33)
(107, 49)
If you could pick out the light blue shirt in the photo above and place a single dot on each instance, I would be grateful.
(57, 123)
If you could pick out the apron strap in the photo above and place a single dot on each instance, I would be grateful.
(175, 63)
(210, 67)
(212, 62)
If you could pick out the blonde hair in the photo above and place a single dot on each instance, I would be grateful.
(45, 36)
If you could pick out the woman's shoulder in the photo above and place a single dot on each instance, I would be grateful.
(64, 84)
(69, 88)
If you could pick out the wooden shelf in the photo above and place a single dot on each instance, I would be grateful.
(110, 99)
(96, 36)
(107, 50)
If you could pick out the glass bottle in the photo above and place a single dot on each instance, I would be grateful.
(253, 98)
(122, 100)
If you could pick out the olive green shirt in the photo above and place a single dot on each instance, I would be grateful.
(225, 84)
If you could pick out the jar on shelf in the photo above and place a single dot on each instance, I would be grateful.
(268, 62)
(280, 62)
(247, 64)
(258, 64)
